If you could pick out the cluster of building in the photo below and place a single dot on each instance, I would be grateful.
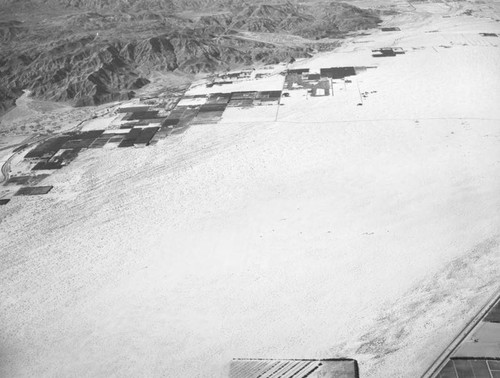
(317, 83)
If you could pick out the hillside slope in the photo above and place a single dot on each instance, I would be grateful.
(97, 51)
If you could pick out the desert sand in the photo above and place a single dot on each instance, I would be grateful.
(327, 230)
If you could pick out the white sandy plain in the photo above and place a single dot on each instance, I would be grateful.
(338, 231)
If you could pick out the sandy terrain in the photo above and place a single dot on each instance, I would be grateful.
(369, 232)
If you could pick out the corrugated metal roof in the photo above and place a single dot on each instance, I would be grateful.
(258, 368)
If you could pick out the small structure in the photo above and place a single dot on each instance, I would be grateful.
(328, 368)
(33, 190)
(387, 51)
(489, 34)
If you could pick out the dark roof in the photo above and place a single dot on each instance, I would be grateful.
(298, 71)
(33, 190)
(337, 72)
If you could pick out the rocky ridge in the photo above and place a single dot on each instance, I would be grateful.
(91, 52)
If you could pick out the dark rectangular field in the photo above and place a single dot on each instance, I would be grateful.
(494, 314)
(145, 136)
(91, 134)
(212, 107)
(337, 72)
(77, 143)
(390, 29)
(4, 201)
(171, 122)
(47, 165)
(161, 134)
(383, 52)
(270, 368)
(47, 149)
(208, 117)
(141, 115)
(182, 115)
(100, 142)
(268, 94)
(241, 103)
(133, 109)
(115, 139)
(299, 71)
(489, 34)
(33, 190)
(129, 139)
(26, 180)
(243, 95)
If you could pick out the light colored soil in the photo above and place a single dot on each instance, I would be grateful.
(367, 232)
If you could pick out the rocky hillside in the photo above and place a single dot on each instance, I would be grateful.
(94, 51)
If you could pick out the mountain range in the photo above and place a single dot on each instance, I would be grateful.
(94, 51)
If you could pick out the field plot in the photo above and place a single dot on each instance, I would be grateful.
(33, 190)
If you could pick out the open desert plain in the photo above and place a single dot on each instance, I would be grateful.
(358, 220)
